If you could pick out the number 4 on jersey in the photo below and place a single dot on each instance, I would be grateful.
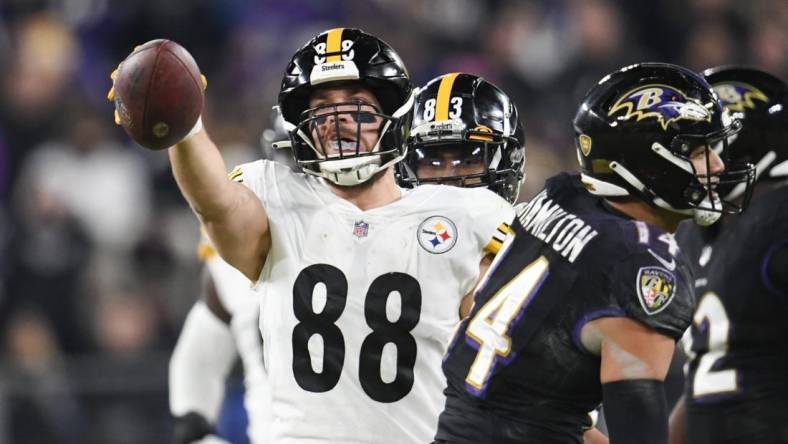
(491, 326)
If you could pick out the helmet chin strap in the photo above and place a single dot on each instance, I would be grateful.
(349, 172)
(699, 215)
(705, 217)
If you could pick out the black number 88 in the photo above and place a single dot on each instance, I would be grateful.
(383, 331)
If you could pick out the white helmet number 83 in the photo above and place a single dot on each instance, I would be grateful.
(454, 113)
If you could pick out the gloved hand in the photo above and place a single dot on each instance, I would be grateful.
(211, 439)
(193, 428)
(155, 104)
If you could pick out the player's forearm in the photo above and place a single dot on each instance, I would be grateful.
(636, 411)
(678, 423)
(232, 214)
(201, 175)
(594, 436)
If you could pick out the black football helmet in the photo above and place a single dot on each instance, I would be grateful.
(463, 120)
(352, 56)
(275, 141)
(636, 129)
(760, 101)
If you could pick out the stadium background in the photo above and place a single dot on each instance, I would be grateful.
(97, 247)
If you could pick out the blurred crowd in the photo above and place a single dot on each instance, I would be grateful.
(98, 262)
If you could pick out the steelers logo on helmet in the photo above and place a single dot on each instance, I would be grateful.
(656, 288)
(665, 103)
(738, 96)
(437, 234)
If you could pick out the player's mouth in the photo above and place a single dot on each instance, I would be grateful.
(344, 145)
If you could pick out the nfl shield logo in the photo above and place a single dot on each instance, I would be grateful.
(360, 229)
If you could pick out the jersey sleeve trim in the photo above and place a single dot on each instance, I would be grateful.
(609, 312)
(236, 174)
(495, 244)
(766, 267)
(205, 252)
(205, 249)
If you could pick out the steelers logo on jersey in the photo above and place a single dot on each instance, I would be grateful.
(656, 288)
(437, 234)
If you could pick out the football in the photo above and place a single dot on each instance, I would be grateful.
(158, 94)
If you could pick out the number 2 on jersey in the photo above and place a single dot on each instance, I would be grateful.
(323, 323)
(490, 327)
(707, 381)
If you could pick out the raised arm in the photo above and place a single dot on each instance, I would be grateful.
(231, 213)
(158, 96)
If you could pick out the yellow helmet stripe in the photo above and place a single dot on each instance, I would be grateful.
(444, 96)
(334, 44)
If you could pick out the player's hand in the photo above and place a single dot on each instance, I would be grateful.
(193, 428)
(211, 439)
(111, 93)
(114, 75)
(156, 99)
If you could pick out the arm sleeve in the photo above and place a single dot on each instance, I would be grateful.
(774, 269)
(202, 358)
(636, 411)
(493, 216)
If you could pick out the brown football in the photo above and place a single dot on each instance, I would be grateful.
(158, 94)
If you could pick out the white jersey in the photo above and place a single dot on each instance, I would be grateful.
(358, 306)
(240, 301)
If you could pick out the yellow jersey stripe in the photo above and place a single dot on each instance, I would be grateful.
(444, 96)
(495, 244)
(205, 251)
(334, 44)
(234, 174)
(493, 247)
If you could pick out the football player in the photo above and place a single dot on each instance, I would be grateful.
(736, 388)
(459, 138)
(588, 294)
(222, 325)
(467, 144)
(465, 132)
(360, 281)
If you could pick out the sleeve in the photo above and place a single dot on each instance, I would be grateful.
(259, 176)
(203, 355)
(773, 269)
(774, 264)
(492, 216)
(228, 284)
(655, 289)
(231, 285)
